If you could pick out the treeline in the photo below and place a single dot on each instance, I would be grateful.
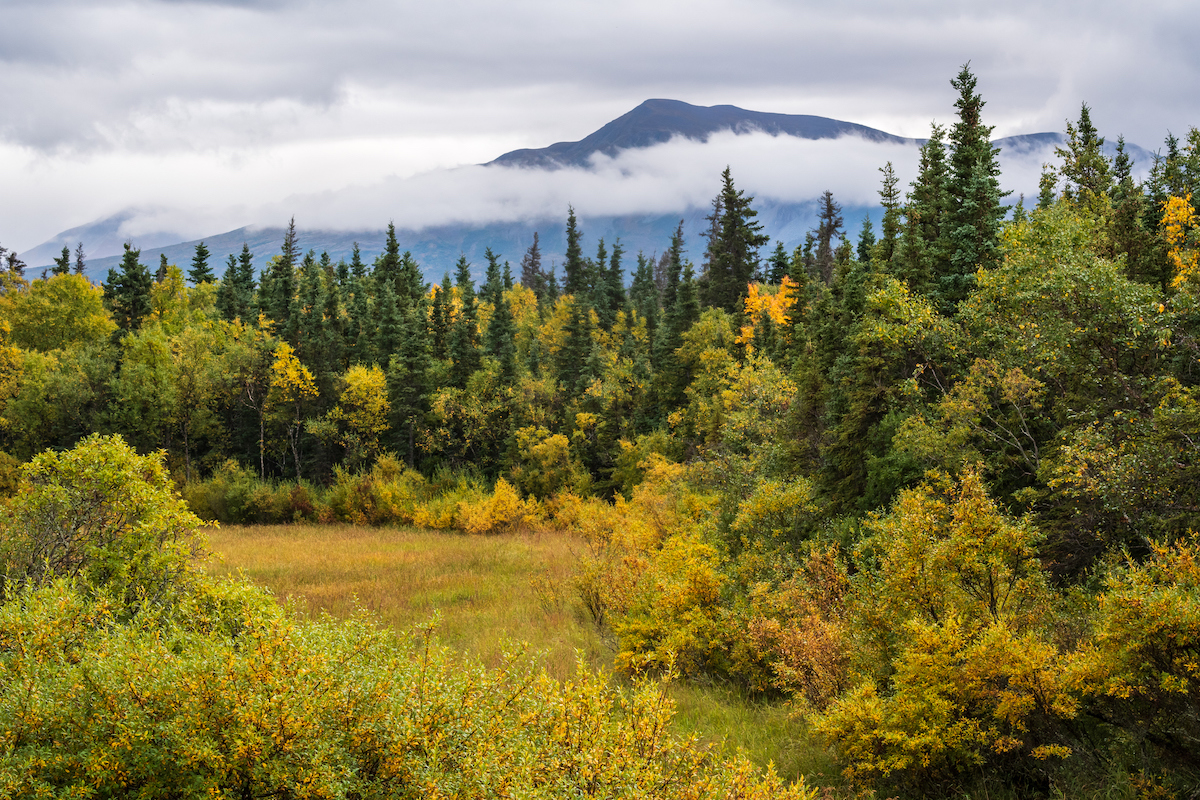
(937, 485)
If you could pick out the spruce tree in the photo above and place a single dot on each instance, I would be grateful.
(80, 264)
(829, 231)
(62, 264)
(889, 198)
(464, 334)
(732, 256)
(1087, 173)
(971, 232)
(407, 375)
(127, 290)
(200, 271)
(499, 342)
(575, 280)
(493, 282)
(226, 301)
(532, 277)
(161, 274)
(866, 240)
(777, 264)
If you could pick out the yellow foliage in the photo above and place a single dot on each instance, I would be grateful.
(1178, 223)
(291, 381)
(779, 305)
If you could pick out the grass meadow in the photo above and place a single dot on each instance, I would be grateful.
(486, 593)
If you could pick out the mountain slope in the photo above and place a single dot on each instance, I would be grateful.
(656, 121)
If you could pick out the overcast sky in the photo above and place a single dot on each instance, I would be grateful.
(218, 113)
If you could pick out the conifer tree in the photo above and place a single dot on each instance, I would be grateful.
(499, 342)
(493, 282)
(1087, 173)
(829, 231)
(439, 320)
(866, 240)
(643, 294)
(732, 255)
(161, 274)
(464, 334)
(532, 276)
(889, 198)
(407, 376)
(777, 265)
(200, 271)
(575, 277)
(387, 322)
(971, 231)
(127, 290)
(62, 264)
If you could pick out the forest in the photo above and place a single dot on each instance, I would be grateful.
(936, 485)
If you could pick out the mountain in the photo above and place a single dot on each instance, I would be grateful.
(657, 121)
(653, 122)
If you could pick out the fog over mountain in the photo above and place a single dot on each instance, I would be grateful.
(633, 179)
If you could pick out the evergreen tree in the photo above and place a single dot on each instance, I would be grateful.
(1086, 171)
(226, 298)
(573, 357)
(777, 264)
(127, 290)
(411, 287)
(80, 264)
(889, 198)
(407, 374)
(387, 264)
(499, 343)
(866, 240)
(532, 277)
(971, 232)
(643, 294)
(732, 255)
(439, 319)
(493, 283)
(62, 264)
(280, 288)
(387, 322)
(464, 334)
(609, 292)
(161, 274)
(829, 231)
(200, 271)
(575, 280)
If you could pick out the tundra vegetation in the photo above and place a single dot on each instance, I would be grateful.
(936, 489)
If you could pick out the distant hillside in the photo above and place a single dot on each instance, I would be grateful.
(437, 248)
(656, 121)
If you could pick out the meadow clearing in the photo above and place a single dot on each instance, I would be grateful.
(485, 594)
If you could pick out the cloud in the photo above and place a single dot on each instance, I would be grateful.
(671, 177)
(235, 104)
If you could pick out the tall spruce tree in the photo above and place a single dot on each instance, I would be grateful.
(127, 290)
(829, 231)
(62, 264)
(464, 334)
(732, 254)
(1086, 171)
(80, 264)
(200, 271)
(576, 280)
(532, 276)
(974, 213)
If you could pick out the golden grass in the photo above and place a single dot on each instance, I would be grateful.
(488, 591)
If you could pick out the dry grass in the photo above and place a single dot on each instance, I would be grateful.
(488, 591)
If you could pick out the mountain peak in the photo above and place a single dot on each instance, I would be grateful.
(658, 120)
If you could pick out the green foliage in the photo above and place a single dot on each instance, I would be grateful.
(104, 517)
